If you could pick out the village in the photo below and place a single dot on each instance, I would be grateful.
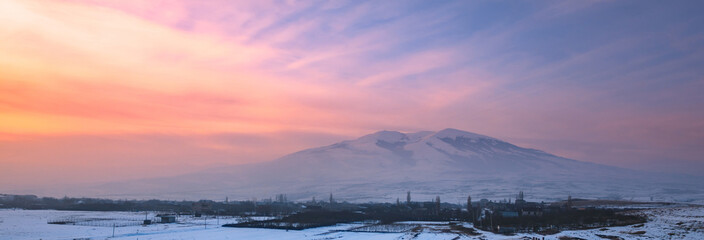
(507, 216)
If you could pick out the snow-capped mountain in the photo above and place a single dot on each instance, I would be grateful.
(384, 165)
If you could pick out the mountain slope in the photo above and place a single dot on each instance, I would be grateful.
(384, 165)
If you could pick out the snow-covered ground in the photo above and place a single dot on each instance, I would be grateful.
(665, 223)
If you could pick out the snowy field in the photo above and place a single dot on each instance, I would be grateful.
(665, 223)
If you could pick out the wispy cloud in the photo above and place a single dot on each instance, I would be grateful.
(538, 72)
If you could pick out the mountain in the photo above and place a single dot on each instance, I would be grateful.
(382, 166)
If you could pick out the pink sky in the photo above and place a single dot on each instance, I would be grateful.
(108, 90)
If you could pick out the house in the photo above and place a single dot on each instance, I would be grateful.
(532, 211)
(506, 230)
(509, 214)
(167, 218)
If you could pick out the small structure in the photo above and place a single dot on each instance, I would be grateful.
(167, 218)
(311, 208)
(532, 211)
(200, 208)
(506, 230)
(509, 214)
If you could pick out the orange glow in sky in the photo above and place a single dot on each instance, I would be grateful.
(136, 87)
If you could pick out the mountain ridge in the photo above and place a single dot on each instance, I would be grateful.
(381, 165)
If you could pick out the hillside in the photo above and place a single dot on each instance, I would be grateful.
(384, 165)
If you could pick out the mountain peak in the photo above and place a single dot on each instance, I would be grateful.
(385, 135)
(396, 136)
(454, 133)
(385, 163)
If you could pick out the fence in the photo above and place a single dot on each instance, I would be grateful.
(386, 228)
(99, 222)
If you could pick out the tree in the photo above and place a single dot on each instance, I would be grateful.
(437, 205)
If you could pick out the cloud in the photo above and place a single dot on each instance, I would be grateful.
(541, 73)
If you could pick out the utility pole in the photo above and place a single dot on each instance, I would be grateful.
(113, 230)
(437, 205)
(491, 220)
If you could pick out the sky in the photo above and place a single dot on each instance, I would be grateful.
(96, 91)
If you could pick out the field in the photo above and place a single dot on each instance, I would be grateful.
(665, 223)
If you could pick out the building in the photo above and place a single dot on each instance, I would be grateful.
(166, 218)
(509, 214)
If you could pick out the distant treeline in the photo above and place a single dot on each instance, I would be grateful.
(559, 219)
(280, 207)
(234, 208)
(501, 217)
